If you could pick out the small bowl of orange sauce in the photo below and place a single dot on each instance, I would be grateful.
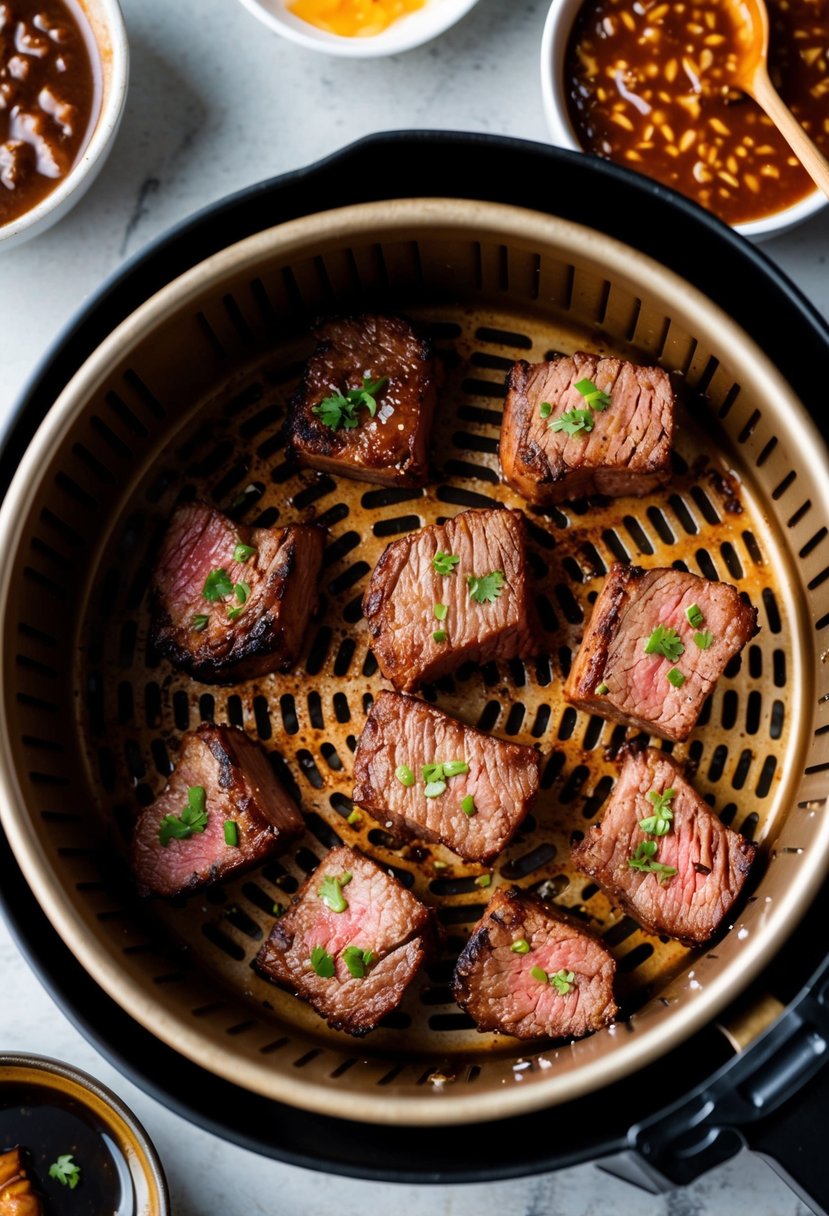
(649, 84)
(359, 29)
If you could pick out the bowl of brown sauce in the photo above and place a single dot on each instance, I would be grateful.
(63, 83)
(70, 1147)
(649, 84)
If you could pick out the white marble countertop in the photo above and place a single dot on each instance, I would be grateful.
(217, 102)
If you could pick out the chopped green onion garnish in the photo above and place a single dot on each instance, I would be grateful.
(444, 563)
(434, 789)
(665, 641)
(595, 397)
(562, 981)
(234, 613)
(573, 422)
(242, 591)
(331, 892)
(703, 640)
(355, 817)
(453, 768)
(277, 910)
(538, 973)
(192, 820)
(439, 635)
(675, 677)
(199, 622)
(440, 611)
(231, 834)
(404, 775)
(217, 586)
(546, 409)
(644, 860)
(522, 946)
(602, 690)
(440, 865)
(322, 962)
(483, 880)
(432, 772)
(356, 960)
(694, 616)
(468, 805)
(242, 552)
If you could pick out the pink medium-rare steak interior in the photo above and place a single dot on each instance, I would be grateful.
(612, 674)
(499, 981)
(389, 448)
(372, 914)
(239, 787)
(412, 644)
(261, 603)
(712, 863)
(401, 736)
(628, 449)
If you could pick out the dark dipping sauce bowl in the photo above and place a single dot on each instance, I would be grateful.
(50, 1109)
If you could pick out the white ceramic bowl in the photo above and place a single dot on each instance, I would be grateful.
(554, 42)
(107, 25)
(402, 35)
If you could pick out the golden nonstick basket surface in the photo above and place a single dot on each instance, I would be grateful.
(186, 398)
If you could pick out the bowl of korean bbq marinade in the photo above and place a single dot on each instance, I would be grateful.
(649, 88)
(492, 291)
(64, 82)
(69, 1145)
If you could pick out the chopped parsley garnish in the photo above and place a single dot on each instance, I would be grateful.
(278, 910)
(340, 410)
(522, 946)
(703, 640)
(233, 614)
(322, 962)
(659, 823)
(217, 585)
(242, 552)
(562, 981)
(665, 641)
(573, 422)
(602, 690)
(231, 834)
(404, 775)
(357, 960)
(199, 622)
(595, 397)
(434, 789)
(468, 806)
(483, 880)
(65, 1171)
(439, 635)
(485, 588)
(331, 892)
(242, 591)
(440, 611)
(355, 817)
(444, 563)
(538, 973)
(546, 409)
(675, 677)
(693, 615)
(192, 819)
(644, 859)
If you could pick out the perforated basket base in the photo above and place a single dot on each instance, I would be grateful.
(188, 399)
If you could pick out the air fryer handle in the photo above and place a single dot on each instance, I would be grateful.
(793, 1141)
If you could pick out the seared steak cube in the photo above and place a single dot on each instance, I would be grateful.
(351, 943)
(528, 972)
(221, 811)
(656, 644)
(436, 779)
(586, 425)
(232, 603)
(662, 854)
(451, 593)
(365, 405)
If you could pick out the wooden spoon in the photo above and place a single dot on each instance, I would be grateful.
(752, 76)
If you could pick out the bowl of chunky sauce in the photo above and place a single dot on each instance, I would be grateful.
(650, 84)
(359, 29)
(63, 76)
(69, 1147)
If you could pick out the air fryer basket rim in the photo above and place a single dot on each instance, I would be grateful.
(435, 208)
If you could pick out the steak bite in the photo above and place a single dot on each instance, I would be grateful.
(17, 1194)
(231, 603)
(583, 424)
(221, 811)
(681, 872)
(451, 593)
(655, 647)
(438, 780)
(351, 943)
(528, 972)
(365, 405)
